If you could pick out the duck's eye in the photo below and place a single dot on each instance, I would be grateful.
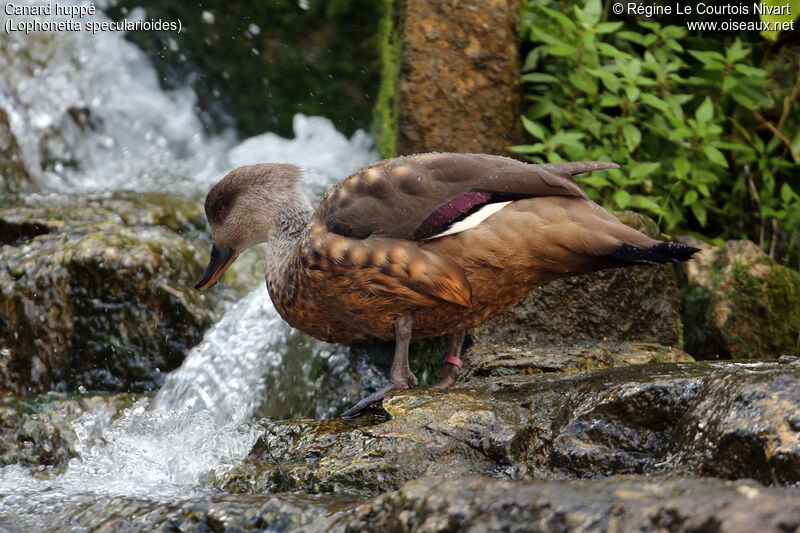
(220, 210)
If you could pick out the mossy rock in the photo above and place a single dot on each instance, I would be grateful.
(739, 303)
(97, 292)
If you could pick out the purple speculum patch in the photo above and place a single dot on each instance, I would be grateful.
(451, 212)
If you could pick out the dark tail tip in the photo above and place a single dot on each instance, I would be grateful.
(663, 252)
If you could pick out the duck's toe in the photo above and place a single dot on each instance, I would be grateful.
(380, 394)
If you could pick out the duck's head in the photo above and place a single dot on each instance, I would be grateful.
(244, 209)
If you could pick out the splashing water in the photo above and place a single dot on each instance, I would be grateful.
(81, 122)
(251, 362)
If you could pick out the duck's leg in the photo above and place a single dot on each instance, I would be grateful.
(452, 362)
(400, 377)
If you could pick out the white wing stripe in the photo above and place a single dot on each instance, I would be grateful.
(471, 221)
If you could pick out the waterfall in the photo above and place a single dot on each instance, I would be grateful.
(86, 115)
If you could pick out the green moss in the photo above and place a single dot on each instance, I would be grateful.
(386, 112)
(744, 309)
(765, 311)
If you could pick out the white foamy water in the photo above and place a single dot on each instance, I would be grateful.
(251, 356)
(142, 454)
(87, 114)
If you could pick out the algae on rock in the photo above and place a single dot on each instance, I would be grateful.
(94, 294)
(739, 303)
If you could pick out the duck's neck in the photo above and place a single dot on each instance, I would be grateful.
(289, 231)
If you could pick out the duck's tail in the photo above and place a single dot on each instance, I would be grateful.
(662, 252)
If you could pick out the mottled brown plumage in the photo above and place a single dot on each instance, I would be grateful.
(358, 269)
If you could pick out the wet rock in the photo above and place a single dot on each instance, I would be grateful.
(97, 292)
(727, 420)
(460, 77)
(739, 303)
(448, 433)
(39, 431)
(622, 504)
(238, 512)
(489, 359)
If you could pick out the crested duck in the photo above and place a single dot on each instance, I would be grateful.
(416, 246)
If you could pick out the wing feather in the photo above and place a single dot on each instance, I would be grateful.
(393, 198)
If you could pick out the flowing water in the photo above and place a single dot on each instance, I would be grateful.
(86, 115)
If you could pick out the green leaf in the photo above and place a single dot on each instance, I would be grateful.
(795, 147)
(699, 213)
(622, 198)
(533, 128)
(783, 12)
(736, 51)
(595, 181)
(528, 148)
(680, 133)
(611, 51)
(728, 83)
(786, 193)
(560, 17)
(643, 169)
(645, 202)
(715, 156)
(681, 166)
(708, 58)
(592, 11)
(735, 146)
(539, 77)
(655, 101)
(609, 78)
(705, 112)
(567, 138)
(631, 36)
(563, 49)
(632, 136)
(749, 71)
(632, 93)
(608, 27)
(610, 101)
(690, 197)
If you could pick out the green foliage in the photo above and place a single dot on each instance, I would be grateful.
(707, 141)
(390, 35)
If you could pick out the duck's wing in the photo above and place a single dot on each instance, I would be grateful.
(419, 196)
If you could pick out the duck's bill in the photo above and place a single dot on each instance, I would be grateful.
(221, 259)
